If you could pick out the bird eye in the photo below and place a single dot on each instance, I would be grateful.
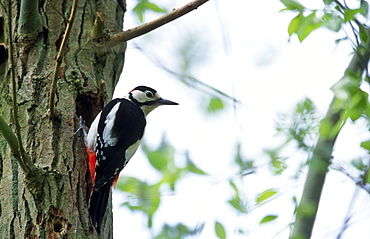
(149, 94)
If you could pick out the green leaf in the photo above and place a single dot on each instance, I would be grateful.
(295, 202)
(139, 9)
(265, 195)
(144, 5)
(308, 25)
(148, 196)
(293, 5)
(357, 105)
(364, 36)
(152, 199)
(155, 8)
(365, 145)
(294, 24)
(277, 162)
(161, 157)
(303, 26)
(332, 22)
(364, 8)
(327, 2)
(157, 159)
(235, 188)
(238, 204)
(245, 166)
(193, 168)
(305, 107)
(129, 184)
(177, 231)
(215, 105)
(346, 86)
(349, 14)
(220, 230)
(357, 163)
(337, 41)
(350, 97)
(268, 218)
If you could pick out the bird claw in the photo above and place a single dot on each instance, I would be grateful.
(81, 129)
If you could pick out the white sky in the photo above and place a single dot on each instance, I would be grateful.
(268, 75)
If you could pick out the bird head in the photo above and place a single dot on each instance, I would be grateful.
(147, 99)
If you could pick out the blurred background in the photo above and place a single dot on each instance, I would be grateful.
(230, 160)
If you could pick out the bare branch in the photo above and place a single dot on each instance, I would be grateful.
(122, 37)
(60, 59)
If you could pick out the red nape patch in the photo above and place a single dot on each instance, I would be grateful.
(91, 156)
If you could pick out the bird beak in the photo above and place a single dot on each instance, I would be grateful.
(165, 102)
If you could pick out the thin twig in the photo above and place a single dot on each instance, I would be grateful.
(189, 80)
(59, 12)
(60, 59)
(24, 160)
(125, 36)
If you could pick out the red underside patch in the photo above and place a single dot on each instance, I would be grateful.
(91, 155)
(115, 180)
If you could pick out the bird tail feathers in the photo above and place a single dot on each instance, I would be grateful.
(98, 205)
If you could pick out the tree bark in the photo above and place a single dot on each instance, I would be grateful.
(52, 201)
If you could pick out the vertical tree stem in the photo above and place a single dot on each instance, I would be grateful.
(24, 161)
(29, 18)
(321, 156)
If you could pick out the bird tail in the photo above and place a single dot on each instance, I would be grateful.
(98, 205)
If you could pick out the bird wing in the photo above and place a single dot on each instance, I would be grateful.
(120, 129)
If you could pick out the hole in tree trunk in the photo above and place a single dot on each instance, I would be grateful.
(88, 105)
(58, 226)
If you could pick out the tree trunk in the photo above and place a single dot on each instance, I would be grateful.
(52, 202)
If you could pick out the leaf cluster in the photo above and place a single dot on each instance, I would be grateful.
(146, 196)
(298, 127)
(178, 231)
(332, 16)
(351, 98)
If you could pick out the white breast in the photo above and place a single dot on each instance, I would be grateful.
(93, 132)
(130, 151)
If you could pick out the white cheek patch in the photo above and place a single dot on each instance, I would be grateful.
(141, 96)
(109, 122)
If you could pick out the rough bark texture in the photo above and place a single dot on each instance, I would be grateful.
(52, 202)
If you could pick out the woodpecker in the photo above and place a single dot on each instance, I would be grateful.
(113, 139)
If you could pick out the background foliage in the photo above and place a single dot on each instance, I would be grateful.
(296, 131)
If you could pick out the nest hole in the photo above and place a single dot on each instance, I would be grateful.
(88, 105)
